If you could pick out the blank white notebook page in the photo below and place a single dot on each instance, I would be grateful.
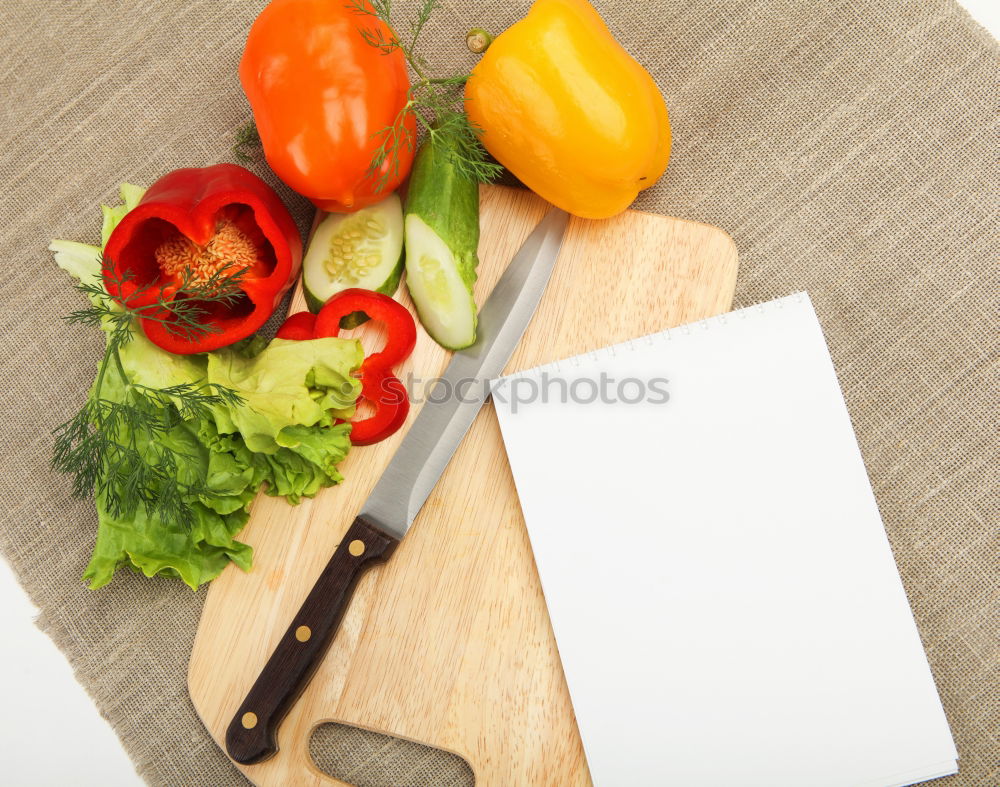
(720, 584)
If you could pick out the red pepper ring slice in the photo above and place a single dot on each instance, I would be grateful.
(401, 329)
(298, 327)
(379, 387)
(205, 220)
(390, 400)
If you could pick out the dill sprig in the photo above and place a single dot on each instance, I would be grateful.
(120, 449)
(435, 102)
(182, 316)
(247, 140)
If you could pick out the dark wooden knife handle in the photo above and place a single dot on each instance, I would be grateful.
(252, 734)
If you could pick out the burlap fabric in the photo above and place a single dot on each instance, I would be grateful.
(848, 147)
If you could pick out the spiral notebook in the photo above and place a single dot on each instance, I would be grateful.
(721, 588)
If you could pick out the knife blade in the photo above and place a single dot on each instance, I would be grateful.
(450, 408)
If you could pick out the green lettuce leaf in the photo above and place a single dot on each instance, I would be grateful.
(198, 550)
(288, 384)
(149, 365)
(83, 261)
(130, 195)
(195, 554)
(79, 260)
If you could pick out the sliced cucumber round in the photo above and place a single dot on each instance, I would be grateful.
(361, 249)
(443, 299)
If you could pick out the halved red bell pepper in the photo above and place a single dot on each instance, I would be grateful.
(379, 386)
(195, 223)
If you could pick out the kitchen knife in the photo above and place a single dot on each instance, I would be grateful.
(450, 408)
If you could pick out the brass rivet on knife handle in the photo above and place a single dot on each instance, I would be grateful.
(252, 733)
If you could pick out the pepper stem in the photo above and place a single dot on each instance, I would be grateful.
(478, 40)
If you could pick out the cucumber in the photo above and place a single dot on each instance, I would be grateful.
(361, 249)
(441, 227)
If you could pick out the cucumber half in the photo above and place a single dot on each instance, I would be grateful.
(361, 249)
(443, 299)
(442, 236)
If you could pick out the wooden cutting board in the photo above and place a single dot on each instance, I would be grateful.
(449, 643)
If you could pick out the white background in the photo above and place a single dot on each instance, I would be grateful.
(44, 704)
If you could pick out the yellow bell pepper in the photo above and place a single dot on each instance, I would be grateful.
(570, 112)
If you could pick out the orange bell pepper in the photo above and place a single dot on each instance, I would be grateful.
(321, 97)
(568, 111)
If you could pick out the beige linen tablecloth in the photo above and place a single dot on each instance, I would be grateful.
(849, 148)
